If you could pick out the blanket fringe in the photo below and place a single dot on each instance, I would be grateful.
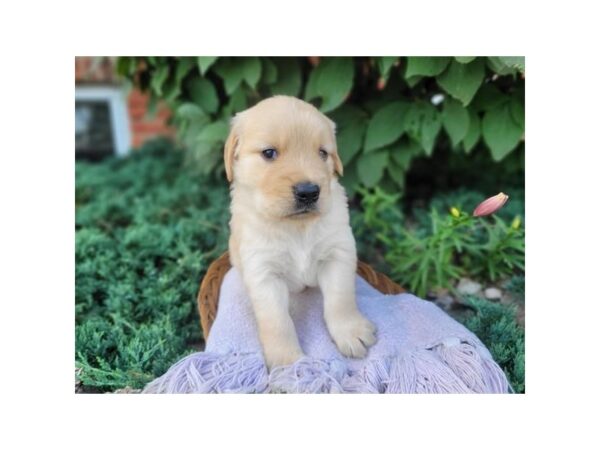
(448, 367)
(202, 373)
(309, 376)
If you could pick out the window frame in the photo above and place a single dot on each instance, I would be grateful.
(117, 105)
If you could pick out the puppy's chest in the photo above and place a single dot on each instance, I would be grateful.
(299, 265)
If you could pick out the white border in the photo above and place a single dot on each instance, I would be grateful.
(119, 117)
(37, 239)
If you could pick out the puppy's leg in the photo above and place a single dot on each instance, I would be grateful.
(350, 330)
(277, 333)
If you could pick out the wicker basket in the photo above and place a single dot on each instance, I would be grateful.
(208, 297)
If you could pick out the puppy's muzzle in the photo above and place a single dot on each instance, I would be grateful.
(306, 195)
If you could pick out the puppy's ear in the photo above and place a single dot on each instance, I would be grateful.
(337, 162)
(229, 152)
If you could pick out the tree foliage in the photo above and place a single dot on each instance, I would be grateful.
(389, 110)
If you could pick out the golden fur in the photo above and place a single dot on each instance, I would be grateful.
(278, 250)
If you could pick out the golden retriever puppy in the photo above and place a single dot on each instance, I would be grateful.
(290, 224)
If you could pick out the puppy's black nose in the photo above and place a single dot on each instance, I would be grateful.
(306, 193)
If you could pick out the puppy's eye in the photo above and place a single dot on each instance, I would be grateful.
(323, 154)
(269, 154)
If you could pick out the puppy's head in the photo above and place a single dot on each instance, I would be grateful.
(282, 154)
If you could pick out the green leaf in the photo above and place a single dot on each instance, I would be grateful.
(158, 79)
(396, 173)
(251, 69)
(517, 109)
(347, 115)
(385, 64)
(203, 93)
(428, 66)
(237, 102)
(423, 123)
(311, 90)
(205, 62)
(189, 111)
(351, 123)
(386, 125)
(412, 81)
(474, 132)
(289, 78)
(269, 75)
(455, 119)
(498, 66)
(335, 81)
(488, 97)
(350, 141)
(193, 126)
(184, 65)
(214, 132)
(500, 132)
(350, 180)
(517, 62)
(464, 59)
(332, 81)
(370, 167)
(372, 105)
(404, 151)
(230, 70)
(171, 90)
(126, 65)
(461, 81)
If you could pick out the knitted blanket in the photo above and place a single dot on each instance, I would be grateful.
(419, 349)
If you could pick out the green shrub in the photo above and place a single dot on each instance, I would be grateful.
(389, 110)
(146, 229)
(379, 214)
(436, 250)
(497, 328)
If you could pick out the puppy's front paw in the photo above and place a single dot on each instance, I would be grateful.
(352, 334)
(281, 356)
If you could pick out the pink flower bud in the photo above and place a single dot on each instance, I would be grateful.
(491, 205)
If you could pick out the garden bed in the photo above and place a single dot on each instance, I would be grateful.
(148, 226)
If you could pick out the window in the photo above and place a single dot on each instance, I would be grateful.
(101, 122)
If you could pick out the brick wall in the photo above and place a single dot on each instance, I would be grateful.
(142, 127)
(101, 71)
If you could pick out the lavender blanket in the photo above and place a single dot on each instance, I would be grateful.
(420, 349)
